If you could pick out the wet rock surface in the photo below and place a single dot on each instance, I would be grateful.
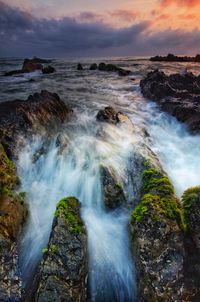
(111, 116)
(177, 94)
(158, 241)
(13, 213)
(62, 275)
(40, 112)
(47, 70)
(112, 188)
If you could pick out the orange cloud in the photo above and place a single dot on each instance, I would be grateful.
(188, 3)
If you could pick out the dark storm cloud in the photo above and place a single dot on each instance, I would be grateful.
(21, 34)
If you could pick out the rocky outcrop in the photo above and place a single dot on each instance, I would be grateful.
(112, 188)
(113, 68)
(172, 58)
(31, 65)
(62, 275)
(12, 217)
(40, 112)
(79, 66)
(157, 241)
(177, 94)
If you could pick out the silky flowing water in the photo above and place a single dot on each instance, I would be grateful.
(75, 170)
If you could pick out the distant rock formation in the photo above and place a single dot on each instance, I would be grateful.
(172, 58)
(41, 112)
(113, 68)
(31, 65)
(63, 272)
(177, 94)
(79, 66)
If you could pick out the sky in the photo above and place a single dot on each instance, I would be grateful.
(62, 28)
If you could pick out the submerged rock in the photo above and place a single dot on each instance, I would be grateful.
(62, 275)
(41, 112)
(112, 188)
(177, 94)
(12, 217)
(156, 228)
(48, 69)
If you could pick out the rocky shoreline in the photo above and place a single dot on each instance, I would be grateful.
(163, 229)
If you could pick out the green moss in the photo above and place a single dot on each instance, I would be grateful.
(45, 250)
(69, 209)
(190, 197)
(158, 196)
(8, 176)
(53, 248)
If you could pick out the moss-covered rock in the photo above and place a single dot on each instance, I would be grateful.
(157, 239)
(62, 274)
(68, 208)
(191, 210)
(12, 217)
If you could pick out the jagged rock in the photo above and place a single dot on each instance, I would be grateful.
(113, 68)
(31, 65)
(40, 112)
(79, 66)
(172, 58)
(112, 188)
(93, 66)
(62, 141)
(62, 275)
(48, 69)
(177, 94)
(12, 217)
(157, 241)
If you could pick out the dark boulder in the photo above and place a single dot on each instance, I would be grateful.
(48, 69)
(62, 274)
(41, 112)
(79, 66)
(93, 66)
(177, 94)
